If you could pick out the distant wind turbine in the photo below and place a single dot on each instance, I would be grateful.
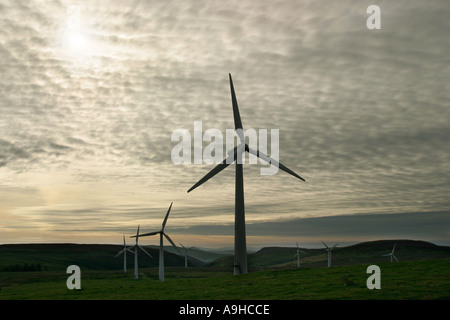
(124, 252)
(391, 254)
(185, 254)
(328, 249)
(240, 245)
(136, 246)
(161, 247)
(298, 255)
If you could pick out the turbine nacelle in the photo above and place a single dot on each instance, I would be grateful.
(136, 246)
(125, 249)
(329, 248)
(186, 249)
(391, 254)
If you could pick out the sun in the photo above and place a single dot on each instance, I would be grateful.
(75, 42)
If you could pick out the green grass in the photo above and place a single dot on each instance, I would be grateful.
(419, 280)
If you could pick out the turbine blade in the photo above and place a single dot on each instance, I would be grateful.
(167, 216)
(225, 163)
(393, 248)
(335, 245)
(268, 159)
(182, 245)
(324, 244)
(172, 243)
(137, 234)
(236, 115)
(130, 251)
(124, 241)
(120, 252)
(395, 258)
(148, 234)
(145, 251)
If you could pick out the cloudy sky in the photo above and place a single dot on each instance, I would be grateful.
(91, 92)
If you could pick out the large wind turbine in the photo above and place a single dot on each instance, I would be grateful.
(185, 254)
(124, 251)
(391, 254)
(136, 246)
(240, 246)
(298, 255)
(328, 249)
(161, 247)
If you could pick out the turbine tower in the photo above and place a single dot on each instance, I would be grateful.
(298, 255)
(391, 254)
(328, 249)
(136, 247)
(240, 245)
(185, 254)
(161, 247)
(124, 251)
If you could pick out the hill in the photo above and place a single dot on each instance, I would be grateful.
(197, 256)
(365, 252)
(51, 257)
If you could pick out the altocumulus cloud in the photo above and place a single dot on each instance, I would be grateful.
(86, 117)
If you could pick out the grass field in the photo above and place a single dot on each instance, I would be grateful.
(418, 280)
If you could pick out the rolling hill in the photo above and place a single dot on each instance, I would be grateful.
(52, 257)
(197, 256)
(365, 252)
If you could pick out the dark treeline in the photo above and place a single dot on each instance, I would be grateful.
(24, 267)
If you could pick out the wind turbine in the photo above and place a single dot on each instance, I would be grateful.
(161, 247)
(298, 255)
(240, 245)
(136, 246)
(124, 251)
(391, 254)
(185, 254)
(328, 249)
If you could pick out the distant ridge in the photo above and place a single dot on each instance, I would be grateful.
(58, 256)
(361, 253)
(418, 243)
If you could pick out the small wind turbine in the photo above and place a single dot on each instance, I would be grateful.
(298, 255)
(161, 247)
(328, 249)
(391, 254)
(185, 254)
(124, 251)
(236, 154)
(136, 246)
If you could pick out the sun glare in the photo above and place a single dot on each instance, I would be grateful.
(76, 42)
